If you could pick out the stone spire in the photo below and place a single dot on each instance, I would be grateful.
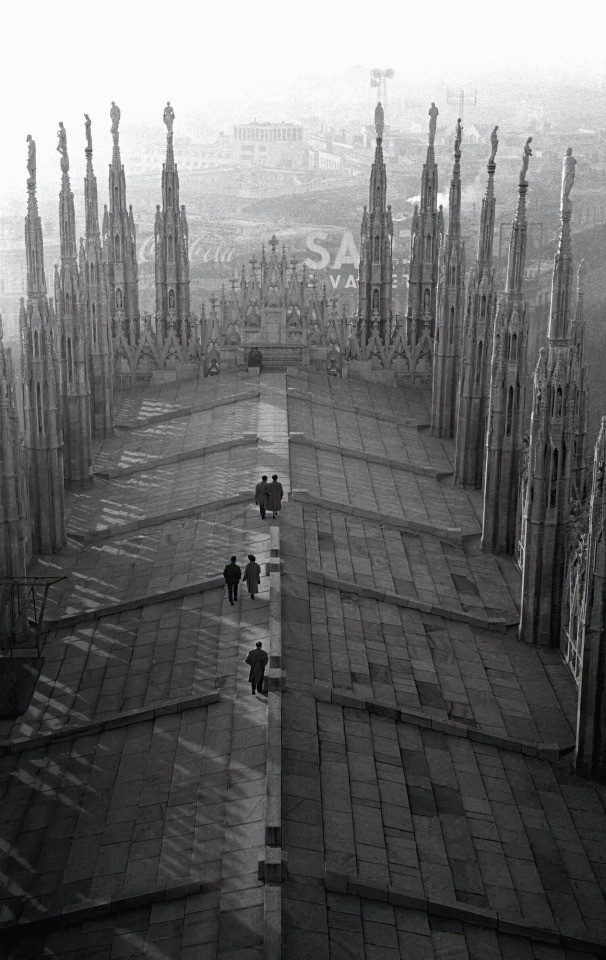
(95, 287)
(546, 506)
(427, 230)
(376, 248)
(15, 546)
(474, 381)
(120, 244)
(41, 387)
(590, 754)
(581, 390)
(172, 248)
(517, 244)
(36, 281)
(561, 285)
(77, 454)
(450, 312)
(504, 436)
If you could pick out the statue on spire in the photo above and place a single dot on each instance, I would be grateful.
(62, 135)
(568, 172)
(169, 117)
(62, 147)
(525, 159)
(459, 132)
(379, 120)
(115, 118)
(89, 139)
(31, 160)
(494, 144)
(433, 122)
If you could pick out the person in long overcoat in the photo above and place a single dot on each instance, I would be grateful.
(274, 494)
(257, 660)
(252, 575)
(232, 575)
(260, 498)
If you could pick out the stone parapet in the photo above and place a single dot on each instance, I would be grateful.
(514, 924)
(450, 534)
(178, 411)
(324, 693)
(409, 467)
(245, 440)
(439, 610)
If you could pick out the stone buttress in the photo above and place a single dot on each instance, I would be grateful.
(554, 420)
(474, 379)
(590, 754)
(95, 302)
(505, 428)
(41, 387)
(15, 539)
(75, 389)
(450, 312)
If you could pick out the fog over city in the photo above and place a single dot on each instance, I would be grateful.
(533, 69)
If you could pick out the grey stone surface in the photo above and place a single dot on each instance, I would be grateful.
(148, 795)
(478, 830)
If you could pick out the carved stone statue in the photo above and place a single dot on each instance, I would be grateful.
(494, 144)
(31, 158)
(525, 159)
(169, 116)
(568, 172)
(459, 131)
(379, 120)
(62, 145)
(89, 139)
(433, 121)
(115, 118)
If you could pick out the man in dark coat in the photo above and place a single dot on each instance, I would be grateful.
(252, 575)
(260, 497)
(274, 494)
(257, 660)
(233, 575)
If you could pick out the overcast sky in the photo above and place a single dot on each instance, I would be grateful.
(61, 59)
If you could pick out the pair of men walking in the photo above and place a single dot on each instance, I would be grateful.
(232, 575)
(268, 496)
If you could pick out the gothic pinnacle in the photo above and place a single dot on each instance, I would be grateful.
(34, 248)
(486, 235)
(559, 325)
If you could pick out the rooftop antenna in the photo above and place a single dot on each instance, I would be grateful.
(460, 99)
(378, 79)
